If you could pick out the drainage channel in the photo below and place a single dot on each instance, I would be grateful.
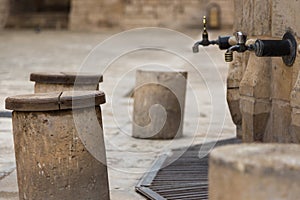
(186, 178)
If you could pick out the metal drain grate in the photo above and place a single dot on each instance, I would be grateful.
(186, 178)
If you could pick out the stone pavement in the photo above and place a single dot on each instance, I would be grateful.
(23, 52)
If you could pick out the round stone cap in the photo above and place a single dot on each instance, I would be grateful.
(279, 159)
(55, 101)
(66, 78)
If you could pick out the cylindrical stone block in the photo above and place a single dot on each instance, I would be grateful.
(65, 81)
(255, 171)
(159, 100)
(52, 132)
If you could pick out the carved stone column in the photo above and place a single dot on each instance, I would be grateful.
(255, 98)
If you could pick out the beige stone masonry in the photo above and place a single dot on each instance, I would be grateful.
(4, 12)
(268, 91)
(284, 16)
(94, 15)
(255, 94)
(247, 22)
(256, 80)
(278, 125)
(295, 125)
(295, 114)
(281, 80)
(262, 17)
(233, 100)
(255, 114)
(295, 93)
(255, 171)
(235, 74)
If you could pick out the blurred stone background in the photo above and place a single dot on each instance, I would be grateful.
(87, 15)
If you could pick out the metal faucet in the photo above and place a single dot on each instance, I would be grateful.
(205, 41)
(285, 48)
(239, 47)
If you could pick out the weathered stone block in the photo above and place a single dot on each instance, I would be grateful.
(239, 131)
(283, 16)
(254, 126)
(233, 100)
(255, 115)
(281, 80)
(257, 78)
(296, 26)
(4, 4)
(296, 69)
(262, 17)
(254, 171)
(295, 125)
(235, 72)
(248, 17)
(268, 79)
(238, 12)
(296, 117)
(279, 122)
(254, 106)
(245, 60)
(295, 94)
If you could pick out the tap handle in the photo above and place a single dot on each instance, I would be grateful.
(241, 38)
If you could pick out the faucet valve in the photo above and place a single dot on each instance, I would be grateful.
(228, 56)
(239, 47)
(285, 48)
(205, 39)
(224, 42)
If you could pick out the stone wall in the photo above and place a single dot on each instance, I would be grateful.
(96, 14)
(263, 93)
(4, 12)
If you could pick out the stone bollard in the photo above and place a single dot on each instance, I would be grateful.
(64, 81)
(159, 100)
(255, 171)
(52, 160)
